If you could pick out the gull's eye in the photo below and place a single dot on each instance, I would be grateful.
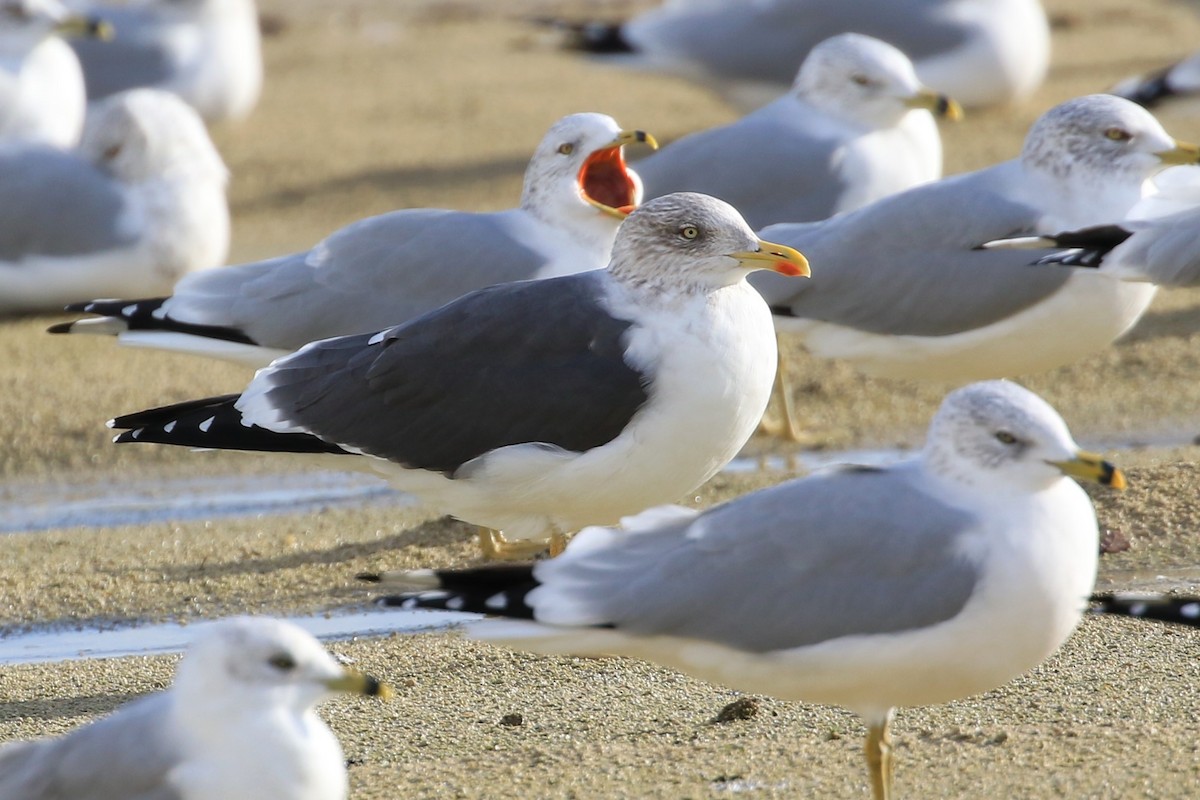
(566, 149)
(112, 152)
(689, 232)
(1118, 134)
(282, 662)
(1004, 437)
(860, 79)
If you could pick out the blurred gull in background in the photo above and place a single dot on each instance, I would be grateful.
(139, 205)
(856, 126)
(206, 51)
(981, 52)
(41, 86)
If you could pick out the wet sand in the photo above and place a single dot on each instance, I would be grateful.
(371, 106)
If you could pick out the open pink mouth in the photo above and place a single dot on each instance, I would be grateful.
(603, 179)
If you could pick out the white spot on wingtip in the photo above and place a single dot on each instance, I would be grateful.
(455, 603)
(204, 426)
(129, 310)
(496, 602)
(170, 426)
(112, 423)
(409, 604)
(1191, 610)
(1137, 609)
(136, 432)
(377, 338)
(159, 313)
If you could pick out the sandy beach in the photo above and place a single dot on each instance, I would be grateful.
(373, 105)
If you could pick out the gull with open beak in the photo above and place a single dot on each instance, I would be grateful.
(538, 407)
(42, 97)
(856, 126)
(392, 268)
(237, 723)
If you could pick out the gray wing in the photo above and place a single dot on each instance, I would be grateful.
(908, 264)
(767, 41)
(370, 275)
(56, 204)
(125, 756)
(137, 55)
(856, 551)
(768, 165)
(530, 362)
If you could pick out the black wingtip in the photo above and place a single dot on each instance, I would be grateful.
(368, 577)
(1173, 609)
(62, 327)
(594, 37)
(1152, 89)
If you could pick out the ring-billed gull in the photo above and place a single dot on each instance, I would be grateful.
(981, 52)
(206, 51)
(904, 290)
(536, 407)
(237, 723)
(141, 204)
(855, 127)
(41, 85)
(934, 579)
(389, 269)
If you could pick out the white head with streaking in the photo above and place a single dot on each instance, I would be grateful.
(998, 437)
(1089, 158)
(237, 723)
(697, 242)
(867, 81)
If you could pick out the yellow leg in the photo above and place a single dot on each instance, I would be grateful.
(558, 543)
(879, 758)
(495, 547)
(781, 398)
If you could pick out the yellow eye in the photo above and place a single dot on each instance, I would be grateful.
(689, 231)
(282, 662)
(566, 149)
(1004, 437)
(1118, 134)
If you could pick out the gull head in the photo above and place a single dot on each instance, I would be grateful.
(694, 242)
(578, 171)
(1104, 137)
(25, 23)
(252, 662)
(999, 437)
(867, 81)
(148, 134)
